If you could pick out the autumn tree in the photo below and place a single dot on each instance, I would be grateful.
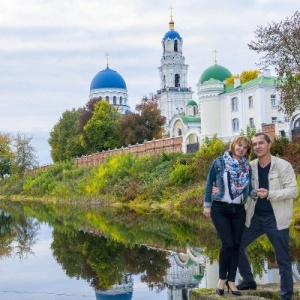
(64, 138)
(280, 43)
(244, 77)
(146, 124)
(131, 129)
(101, 132)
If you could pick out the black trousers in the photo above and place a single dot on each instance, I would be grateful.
(229, 221)
(280, 240)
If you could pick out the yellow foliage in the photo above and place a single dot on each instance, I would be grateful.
(245, 77)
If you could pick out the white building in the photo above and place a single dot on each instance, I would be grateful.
(220, 109)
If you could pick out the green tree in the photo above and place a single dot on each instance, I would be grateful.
(87, 112)
(24, 157)
(250, 132)
(279, 44)
(65, 137)
(6, 154)
(210, 149)
(101, 132)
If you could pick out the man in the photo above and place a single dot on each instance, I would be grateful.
(269, 211)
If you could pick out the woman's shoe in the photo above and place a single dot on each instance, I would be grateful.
(235, 293)
(219, 292)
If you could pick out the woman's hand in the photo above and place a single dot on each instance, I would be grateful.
(206, 212)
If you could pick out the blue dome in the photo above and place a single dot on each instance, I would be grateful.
(108, 78)
(103, 296)
(172, 34)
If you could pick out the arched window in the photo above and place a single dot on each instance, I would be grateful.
(121, 100)
(235, 124)
(177, 80)
(234, 104)
(164, 81)
(179, 131)
(114, 100)
(195, 110)
(273, 100)
(107, 98)
(297, 123)
(175, 45)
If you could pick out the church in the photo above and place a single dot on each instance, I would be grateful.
(219, 109)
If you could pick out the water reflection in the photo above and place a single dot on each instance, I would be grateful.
(17, 235)
(119, 252)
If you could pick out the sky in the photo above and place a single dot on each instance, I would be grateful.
(50, 50)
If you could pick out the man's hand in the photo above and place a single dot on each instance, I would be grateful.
(262, 193)
(215, 190)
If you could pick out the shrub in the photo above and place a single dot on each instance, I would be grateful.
(209, 150)
(279, 145)
(181, 174)
(292, 154)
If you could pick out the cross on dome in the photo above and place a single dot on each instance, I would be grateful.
(171, 23)
(107, 55)
(215, 51)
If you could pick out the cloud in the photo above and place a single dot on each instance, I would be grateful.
(51, 50)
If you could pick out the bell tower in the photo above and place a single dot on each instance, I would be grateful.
(174, 92)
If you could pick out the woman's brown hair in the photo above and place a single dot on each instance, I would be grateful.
(238, 140)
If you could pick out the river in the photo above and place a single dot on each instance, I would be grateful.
(68, 251)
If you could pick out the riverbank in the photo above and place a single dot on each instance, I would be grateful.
(266, 291)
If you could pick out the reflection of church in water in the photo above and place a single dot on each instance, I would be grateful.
(121, 291)
(185, 273)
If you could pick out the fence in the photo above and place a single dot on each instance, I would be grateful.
(173, 144)
(149, 147)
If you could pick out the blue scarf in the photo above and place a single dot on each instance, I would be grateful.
(238, 171)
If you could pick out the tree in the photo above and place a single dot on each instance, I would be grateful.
(250, 132)
(6, 154)
(87, 112)
(65, 137)
(24, 157)
(101, 132)
(245, 77)
(146, 124)
(280, 44)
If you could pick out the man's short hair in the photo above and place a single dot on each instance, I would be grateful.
(266, 136)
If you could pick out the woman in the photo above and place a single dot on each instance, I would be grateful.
(229, 181)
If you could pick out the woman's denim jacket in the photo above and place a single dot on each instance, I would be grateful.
(215, 176)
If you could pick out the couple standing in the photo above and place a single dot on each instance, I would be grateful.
(267, 187)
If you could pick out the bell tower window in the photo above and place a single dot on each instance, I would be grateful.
(176, 46)
(177, 80)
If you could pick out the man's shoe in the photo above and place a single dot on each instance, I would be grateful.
(246, 285)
